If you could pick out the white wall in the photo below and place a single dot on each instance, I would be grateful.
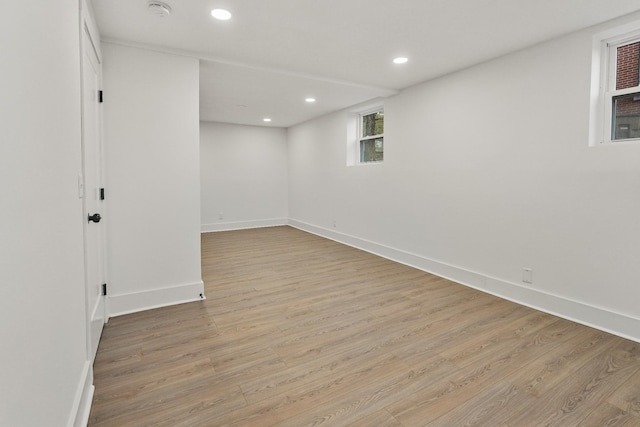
(153, 178)
(42, 298)
(487, 171)
(243, 176)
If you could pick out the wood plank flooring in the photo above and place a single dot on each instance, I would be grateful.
(298, 330)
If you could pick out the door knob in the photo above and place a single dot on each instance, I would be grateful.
(95, 217)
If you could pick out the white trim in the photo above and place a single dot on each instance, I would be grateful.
(354, 130)
(620, 34)
(81, 408)
(603, 77)
(241, 225)
(597, 317)
(155, 298)
(623, 92)
(88, 21)
(362, 115)
(378, 107)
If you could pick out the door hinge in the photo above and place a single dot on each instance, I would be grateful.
(104, 289)
(102, 194)
(100, 97)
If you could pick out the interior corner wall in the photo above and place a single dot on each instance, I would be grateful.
(243, 176)
(42, 297)
(488, 171)
(151, 145)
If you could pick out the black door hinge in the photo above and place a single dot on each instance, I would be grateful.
(104, 289)
(102, 194)
(100, 98)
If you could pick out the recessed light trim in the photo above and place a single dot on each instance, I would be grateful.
(400, 60)
(310, 100)
(221, 14)
(266, 120)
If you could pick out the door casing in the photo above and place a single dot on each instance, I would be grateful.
(92, 182)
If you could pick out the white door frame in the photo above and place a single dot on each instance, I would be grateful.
(92, 159)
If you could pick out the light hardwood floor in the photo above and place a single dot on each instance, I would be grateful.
(298, 330)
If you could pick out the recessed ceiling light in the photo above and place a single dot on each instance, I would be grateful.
(400, 60)
(310, 100)
(266, 119)
(221, 14)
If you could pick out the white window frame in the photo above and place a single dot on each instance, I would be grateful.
(603, 83)
(361, 138)
(354, 131)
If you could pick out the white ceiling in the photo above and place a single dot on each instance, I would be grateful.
(274, 53)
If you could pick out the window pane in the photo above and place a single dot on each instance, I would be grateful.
(371, 150)
(627, 66)
(626, 117)
(373, 124)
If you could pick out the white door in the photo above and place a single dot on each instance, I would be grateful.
(93, 201)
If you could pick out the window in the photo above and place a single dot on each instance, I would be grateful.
(615, 113)
(372, 137)
(624, 92)
(365, 134)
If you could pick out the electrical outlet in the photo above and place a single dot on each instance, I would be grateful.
(335, 223)
(220, 215)
(527, 275)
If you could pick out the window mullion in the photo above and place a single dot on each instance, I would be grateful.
(366, 138)
(627, 91)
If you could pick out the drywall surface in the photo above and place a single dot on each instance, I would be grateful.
(243, 176)
(151, 142)
(488, 171)
(42, 295)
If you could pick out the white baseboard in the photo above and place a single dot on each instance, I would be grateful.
(587, 314)
(84, 397)
(155, 298)
(241, 225)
